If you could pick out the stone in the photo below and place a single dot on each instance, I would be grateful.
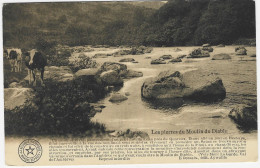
(127, 60)
(198, 53)
(253, 55)
(177, 50)
(17, 97)
(131, 74)
(87, 72)
(100, 55)
(174, 60)
(15, 85)
(58, 74)
(181, 56)
(158, 61)
(241, 51)
(113, 66)
(221, 45)
(209, 49)
(111, 77)
(245, 115)
(116, 98)
(174, 87)
(221, 56)
(206, 45)
(165, 57)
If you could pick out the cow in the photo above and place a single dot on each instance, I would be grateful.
(15, 59)
(35, 61)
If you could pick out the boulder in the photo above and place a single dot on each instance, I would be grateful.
(87, 72)
(175, 60)
(221, 56)
(221, 45)
(113, 66)
(15, 85)
(131, 74)
(127, 60)
(17, 97)
(158, 61)
(58, 74)
(174, 87)
(245, 115)
(181, 56)
(253, 55)
(198, 53)
(165, 57)
(115, 98)
(135, 62)
(241, 51)
(209, 49)
(100, 55)
(177, 50)
(206, 45)
(111, 77)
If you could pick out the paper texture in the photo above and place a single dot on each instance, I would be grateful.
(93, 83)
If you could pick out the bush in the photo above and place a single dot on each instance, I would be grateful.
(59, 59)
(56, 112)
(83, 63)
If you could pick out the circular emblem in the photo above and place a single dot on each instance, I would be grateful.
(30, 151)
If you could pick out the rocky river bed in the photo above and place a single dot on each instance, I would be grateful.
(238, 75)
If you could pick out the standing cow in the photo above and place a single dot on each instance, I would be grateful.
(35, 61)
(15, 59)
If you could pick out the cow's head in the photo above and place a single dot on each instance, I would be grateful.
(32, 53)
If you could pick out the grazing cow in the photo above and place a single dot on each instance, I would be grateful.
(35, 61)
(15, 59)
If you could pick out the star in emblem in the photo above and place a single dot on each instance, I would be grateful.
(30, 150)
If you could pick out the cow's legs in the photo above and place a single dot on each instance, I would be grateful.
(34, 77)
(30, 76)
(42, 75)
(19, 66)
(15, 66)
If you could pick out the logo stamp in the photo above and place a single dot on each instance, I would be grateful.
(30, 151)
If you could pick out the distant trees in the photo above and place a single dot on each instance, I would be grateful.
(178, 22)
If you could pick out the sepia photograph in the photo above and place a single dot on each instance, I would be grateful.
(123, 82)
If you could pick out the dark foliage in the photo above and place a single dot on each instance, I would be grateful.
(178, 22)
(54, 112)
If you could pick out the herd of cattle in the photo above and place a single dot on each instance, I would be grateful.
(33, 59)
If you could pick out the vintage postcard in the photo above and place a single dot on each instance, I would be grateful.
(130, 82)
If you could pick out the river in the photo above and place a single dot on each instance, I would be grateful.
(238, 76)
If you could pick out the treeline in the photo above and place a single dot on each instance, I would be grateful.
(177, 22)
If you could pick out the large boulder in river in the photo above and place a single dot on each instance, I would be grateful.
(245, 116)
(190, 86)
(111, 77)
(241, 51)
(221, 56)
(17, 97)
(113, 66)
(198, 53)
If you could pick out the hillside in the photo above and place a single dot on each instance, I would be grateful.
(178, 22)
